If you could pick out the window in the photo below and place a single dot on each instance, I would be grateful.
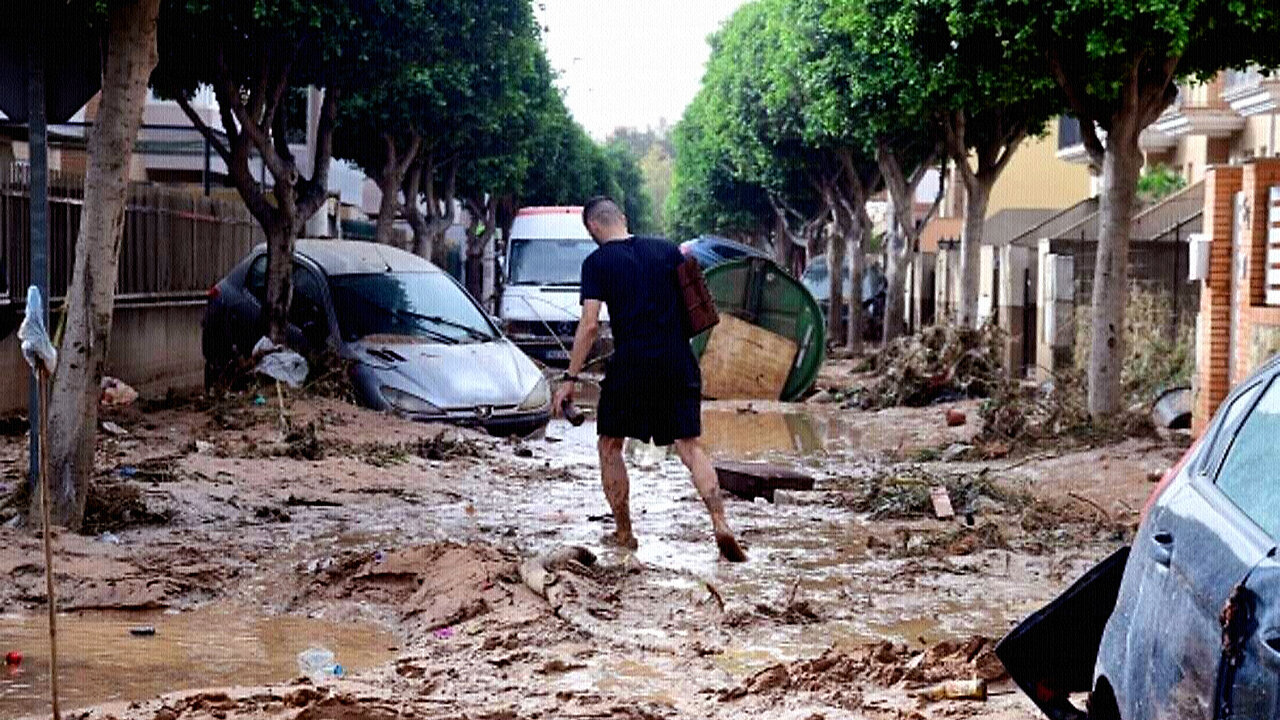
(1250, 476)
(1226, 426)
(306, 311)
(256, 281)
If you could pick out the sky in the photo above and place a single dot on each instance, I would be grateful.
(629, 63)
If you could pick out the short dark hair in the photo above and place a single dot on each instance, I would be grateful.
(601, 207)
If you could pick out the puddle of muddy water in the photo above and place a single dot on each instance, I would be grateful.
(100, 661)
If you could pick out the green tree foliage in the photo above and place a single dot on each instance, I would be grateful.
(624, 166)
(1158, 182)
(933, 61)
(707, 195)
(253, 53)
(1117, 64)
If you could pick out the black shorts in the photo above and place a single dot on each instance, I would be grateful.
(660, 415)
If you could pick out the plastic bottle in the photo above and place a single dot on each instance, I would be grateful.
(318, 664)
(571, 413)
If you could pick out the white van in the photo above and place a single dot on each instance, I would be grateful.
(542, 270)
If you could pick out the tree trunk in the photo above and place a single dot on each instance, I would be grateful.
(477, 241)
(897, 256)
(836, 254)
(389, 208)
(857, 268)
(280, 246)
(1121, 166)
(977, 197)
(73, 411)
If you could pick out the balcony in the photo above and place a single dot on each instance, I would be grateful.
(1250, 92)
(1200, 110)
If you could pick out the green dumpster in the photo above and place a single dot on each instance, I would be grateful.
(760, 292)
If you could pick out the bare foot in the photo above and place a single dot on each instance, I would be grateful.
(729, 548)
(626, 541)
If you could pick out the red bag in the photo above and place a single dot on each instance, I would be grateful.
(699, 308)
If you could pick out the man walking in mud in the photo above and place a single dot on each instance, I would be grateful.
(652, 389)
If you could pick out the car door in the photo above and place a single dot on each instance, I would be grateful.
(1249, 478)
(309, 319)
(1199, 548)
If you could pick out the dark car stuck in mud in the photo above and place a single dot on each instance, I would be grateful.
(418, 344)
(1185, 623)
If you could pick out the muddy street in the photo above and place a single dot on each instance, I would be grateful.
(406, 550)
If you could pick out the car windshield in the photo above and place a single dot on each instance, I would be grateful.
(548, 262)
(423, 305)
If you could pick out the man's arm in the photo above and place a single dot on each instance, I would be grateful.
(585, 338)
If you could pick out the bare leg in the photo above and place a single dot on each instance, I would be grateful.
(695, 458)
(617, 488)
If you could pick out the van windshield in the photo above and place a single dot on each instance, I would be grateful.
(548, 262)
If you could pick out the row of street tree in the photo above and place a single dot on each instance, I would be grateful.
(445, 103)
(811, 107)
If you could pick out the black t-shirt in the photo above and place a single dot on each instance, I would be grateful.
(636, 279)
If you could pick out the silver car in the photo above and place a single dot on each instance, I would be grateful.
(420, 345)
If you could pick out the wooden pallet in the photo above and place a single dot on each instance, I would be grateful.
(745, 362)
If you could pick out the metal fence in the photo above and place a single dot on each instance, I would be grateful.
(176, 243)
(1159, 267)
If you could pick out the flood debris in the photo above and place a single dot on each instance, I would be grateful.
(941, 502)
(907, 491)
(941, 362)
(842, 677)
(115, 393)
(114, 505)
(1052, 415)
(749, 481)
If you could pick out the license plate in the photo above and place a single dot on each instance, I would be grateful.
(557, 355)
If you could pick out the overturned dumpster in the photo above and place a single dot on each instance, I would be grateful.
(771, 340)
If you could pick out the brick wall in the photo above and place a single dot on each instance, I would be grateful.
(1213, 332)
(1257, 333)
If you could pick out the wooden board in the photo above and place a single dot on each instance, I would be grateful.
(752, 480)
(745, 362)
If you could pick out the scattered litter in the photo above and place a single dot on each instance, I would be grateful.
(204, 447)
(318, 664)
(941, 503)
(956, 418)
(1172, 410)
(36, 347)
(443, 633)
(956, 690)
(143, 631)
(955, 451)
(13, 658)
(559, 667)
(279, 363)
(114, 429)
(109, 538)
(259, 400)
(295, 501)
(127, 471)
(116, 393)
